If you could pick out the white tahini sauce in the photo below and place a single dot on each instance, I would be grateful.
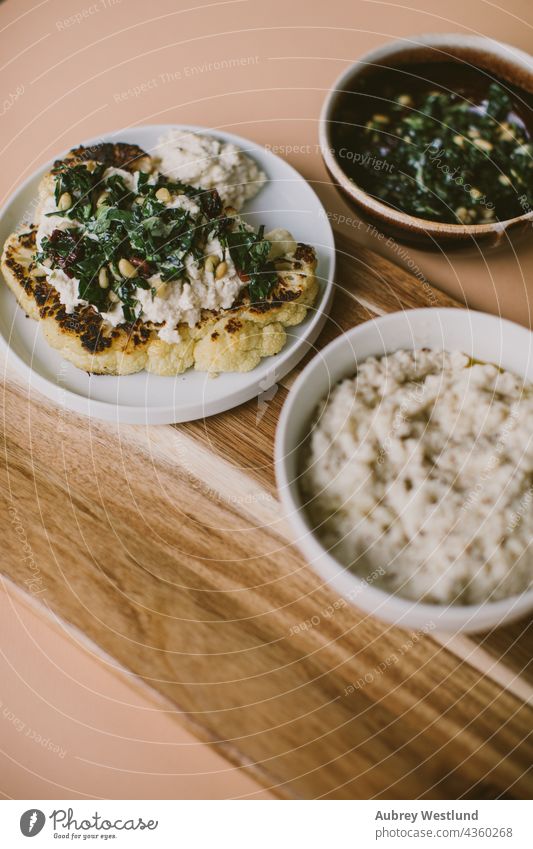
(207, 163)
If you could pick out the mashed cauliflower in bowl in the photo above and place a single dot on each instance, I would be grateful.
(404, 460)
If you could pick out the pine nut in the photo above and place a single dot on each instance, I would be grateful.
(504, 180)
(211, 262)
(127, 269)
(103, 278)
(65, 202)
(483, 144)
(405, 100)
(506, 131)
(102, 199)
(459, 140)
(163, 195)
(221, 270)
(113, 297)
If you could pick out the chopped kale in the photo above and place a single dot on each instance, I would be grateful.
(81, 184)
(115, 223)
(70, 251)
(118, 194)
(249, 251)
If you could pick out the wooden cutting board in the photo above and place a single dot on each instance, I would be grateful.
(166, 547)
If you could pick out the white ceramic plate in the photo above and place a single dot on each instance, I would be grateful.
(286, 201)
(484, 337)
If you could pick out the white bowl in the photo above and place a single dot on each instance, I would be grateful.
(481, 336)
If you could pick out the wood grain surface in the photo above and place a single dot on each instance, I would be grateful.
(166, 547)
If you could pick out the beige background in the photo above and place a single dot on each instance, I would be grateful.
(72, 70)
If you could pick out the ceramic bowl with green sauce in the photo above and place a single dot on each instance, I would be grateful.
(431, 139)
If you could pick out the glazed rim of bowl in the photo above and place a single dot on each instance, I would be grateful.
(501, 59)
(386, 605)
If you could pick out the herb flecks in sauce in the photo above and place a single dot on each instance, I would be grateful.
(441, 155)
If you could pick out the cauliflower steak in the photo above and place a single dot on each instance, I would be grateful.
(127, 269)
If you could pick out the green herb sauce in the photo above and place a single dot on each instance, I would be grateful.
(460, 154)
